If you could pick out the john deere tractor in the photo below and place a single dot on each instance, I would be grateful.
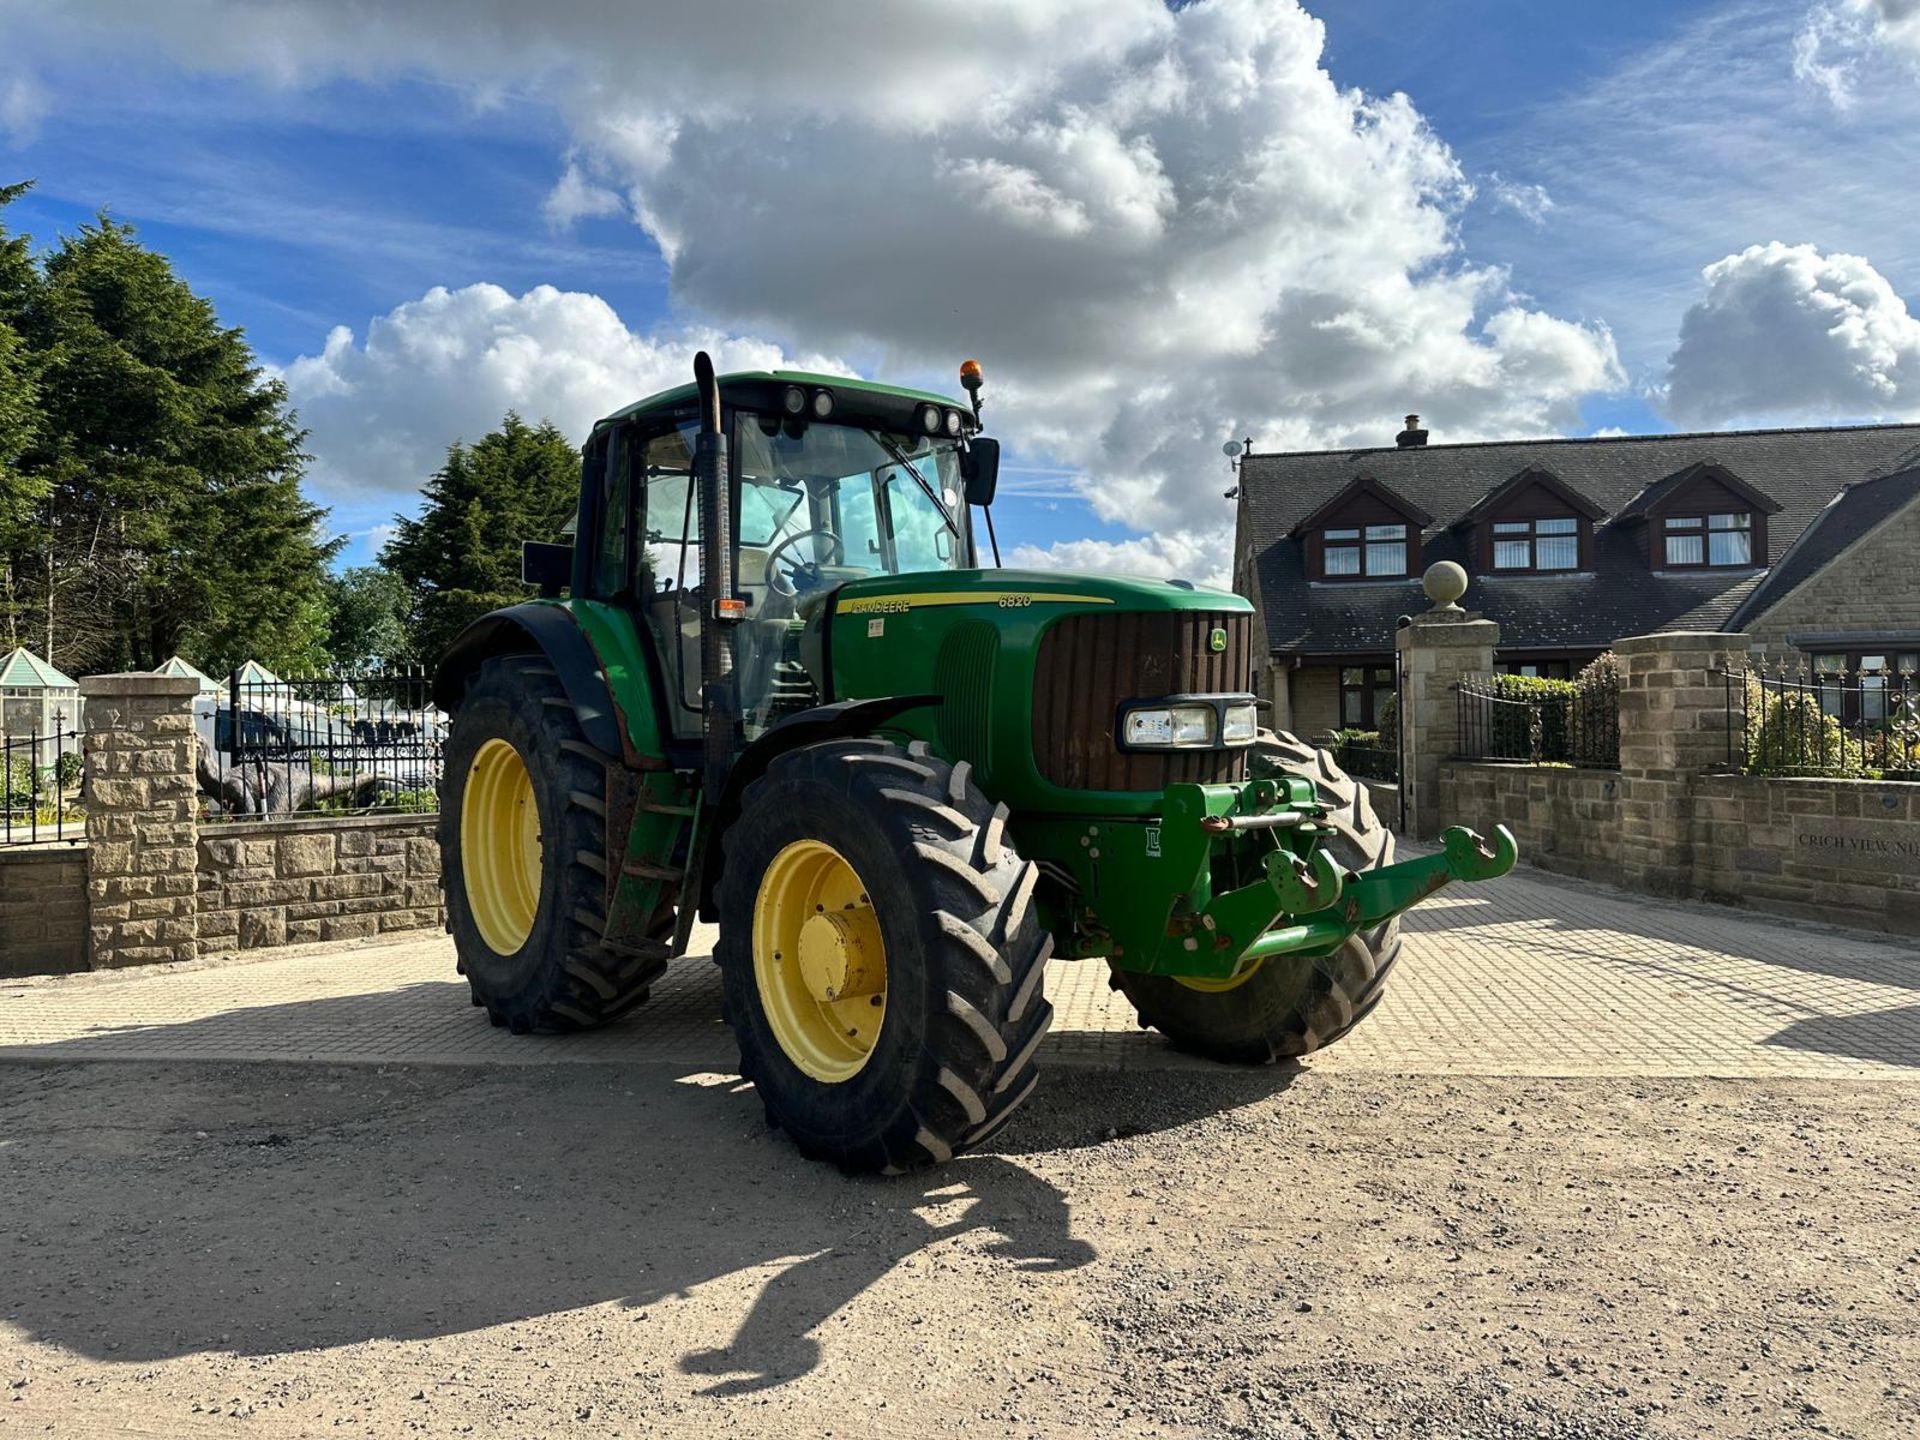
(771, 684)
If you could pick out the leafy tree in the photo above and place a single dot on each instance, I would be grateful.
(461, 557)
(174, 518)
(23, 495)
(367, 625)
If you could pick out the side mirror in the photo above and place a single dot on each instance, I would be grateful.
(548, 567)
(980, 469)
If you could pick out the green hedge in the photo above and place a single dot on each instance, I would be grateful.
(1552, 722)
(16, 786)
(1790, 733)
(1511, 727)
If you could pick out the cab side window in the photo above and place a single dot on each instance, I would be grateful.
(669, 556)
(613, 491)
(668, 559)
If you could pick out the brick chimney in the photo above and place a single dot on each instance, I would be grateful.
(1412, 435)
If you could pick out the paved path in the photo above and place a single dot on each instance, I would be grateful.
(1531, 976)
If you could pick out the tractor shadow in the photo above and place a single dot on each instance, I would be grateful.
(161, 1209)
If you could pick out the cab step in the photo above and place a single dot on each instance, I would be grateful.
(642, 870)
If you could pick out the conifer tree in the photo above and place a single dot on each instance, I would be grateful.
(461, 557)
(174, 519)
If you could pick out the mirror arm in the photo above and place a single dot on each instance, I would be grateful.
(992, 539)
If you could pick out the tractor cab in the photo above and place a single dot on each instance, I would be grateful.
(828, 483)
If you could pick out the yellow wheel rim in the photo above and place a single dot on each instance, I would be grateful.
(819, 961)
(1214, 985)
(500, 847)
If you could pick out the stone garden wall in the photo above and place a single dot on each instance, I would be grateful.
(43, 910)
(282, 882)
(155, 883)
(1565, 820)
(1841, 850)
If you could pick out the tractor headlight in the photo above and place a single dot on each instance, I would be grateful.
(794, 401)
(1169, 727)
(953, 423)
(1188, 722)
(822, 404)
(930, 419)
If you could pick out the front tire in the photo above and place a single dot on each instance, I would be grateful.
(523, 857)
(1286, 1006)
(880, 954)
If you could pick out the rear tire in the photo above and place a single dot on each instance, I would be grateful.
(1287, 1007)
(948, 909)
(561, 976)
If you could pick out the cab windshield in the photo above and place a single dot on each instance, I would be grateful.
(836, 502)
(817, 505)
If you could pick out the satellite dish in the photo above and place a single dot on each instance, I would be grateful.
(1232, 449)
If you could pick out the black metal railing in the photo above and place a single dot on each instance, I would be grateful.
(1795, 721)
(1538, 722)
(1367, 758)
(40, 786)
(347, 741)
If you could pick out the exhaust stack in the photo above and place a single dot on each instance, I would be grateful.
(718, 611)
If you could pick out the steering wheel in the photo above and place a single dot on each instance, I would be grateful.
(791, 588)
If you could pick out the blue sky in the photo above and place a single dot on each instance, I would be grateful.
(1612, 152)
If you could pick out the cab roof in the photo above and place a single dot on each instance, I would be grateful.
(685, 394)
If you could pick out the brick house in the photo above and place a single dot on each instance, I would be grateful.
(1808, 539)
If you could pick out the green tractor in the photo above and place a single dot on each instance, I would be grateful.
(771, 684)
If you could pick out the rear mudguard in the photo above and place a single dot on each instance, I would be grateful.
(550, 629)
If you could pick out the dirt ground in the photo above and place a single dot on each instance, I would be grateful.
(628, 1250)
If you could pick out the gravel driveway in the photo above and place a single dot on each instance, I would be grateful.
(626, 1250)
(1598, 1167)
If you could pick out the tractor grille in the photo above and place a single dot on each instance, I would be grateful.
(1089, 664)
(963, 674)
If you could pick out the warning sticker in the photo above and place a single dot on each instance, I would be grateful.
(876, 626)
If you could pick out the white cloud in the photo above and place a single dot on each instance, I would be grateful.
(906, 63)
(1826, 54)
(1531, 203)
(1836, 41)
(1785, 331)
(575, 197)
(1157, 227)
(1183, 555)
(1896, 24)
(23, 105)
(447, 366)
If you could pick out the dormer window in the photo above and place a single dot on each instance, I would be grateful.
(1362, 532)
(1544, 545)
(1532, 523)
(1369, 552)
(1709, 542)
(1702, 517)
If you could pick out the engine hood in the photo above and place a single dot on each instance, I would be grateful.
(1019, 589)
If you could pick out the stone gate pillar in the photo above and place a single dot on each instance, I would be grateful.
(1436, 651)
(1673, 725)
(142, 862)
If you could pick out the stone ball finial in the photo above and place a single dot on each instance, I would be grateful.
(1445, 583)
